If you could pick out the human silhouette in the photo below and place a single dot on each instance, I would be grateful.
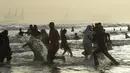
(61, 31)
(99, 39)
(21, 32)
(127, 36)
(76, 37)
(87, 41)
(5, 50)
(72, 30)
(95, 28)
(35, 31)
(128, 27)
(107, 40)
(64, 43)
(53, 44)
(44, 37)
(29, 31)
(1, 39)
(114, 29)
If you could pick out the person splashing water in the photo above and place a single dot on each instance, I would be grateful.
(37, 46)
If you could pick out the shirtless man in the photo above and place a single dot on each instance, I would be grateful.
(64, 43)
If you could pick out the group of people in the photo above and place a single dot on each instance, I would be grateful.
(95, 36)
(51, 41)
(33, 30)
(5, 50)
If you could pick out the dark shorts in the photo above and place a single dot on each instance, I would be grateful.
(53, 48)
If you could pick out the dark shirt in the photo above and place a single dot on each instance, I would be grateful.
(1, 39)
(99, 38)
(5, 48)
(21, 33)
(54, 36)
(35, 32)
(63, 38)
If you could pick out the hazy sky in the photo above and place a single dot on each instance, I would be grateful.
(68, 11)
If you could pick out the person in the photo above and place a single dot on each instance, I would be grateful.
(72, 30)
(5, 50)
(64, 43)
(128, 27)
(61, 32)
(44, 37)
(29, 31)
(35, 31)
(107, 40)
(1, 39)
(38, 48)
(53, 44)
(114, 29)
(127, 36)
(99, 38)
(76, 37)
(87, 41)
(21, 32)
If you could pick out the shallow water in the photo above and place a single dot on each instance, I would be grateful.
(22, 58)
(116, 35)
(22, 62)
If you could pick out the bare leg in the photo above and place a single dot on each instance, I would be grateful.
(71, 54)
(64, 51)
(95, 57)
(110, 57)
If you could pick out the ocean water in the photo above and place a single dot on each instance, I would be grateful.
(22, 58)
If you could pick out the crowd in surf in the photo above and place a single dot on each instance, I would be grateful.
(95, 40)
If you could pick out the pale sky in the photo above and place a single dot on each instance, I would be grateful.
(68, 11)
